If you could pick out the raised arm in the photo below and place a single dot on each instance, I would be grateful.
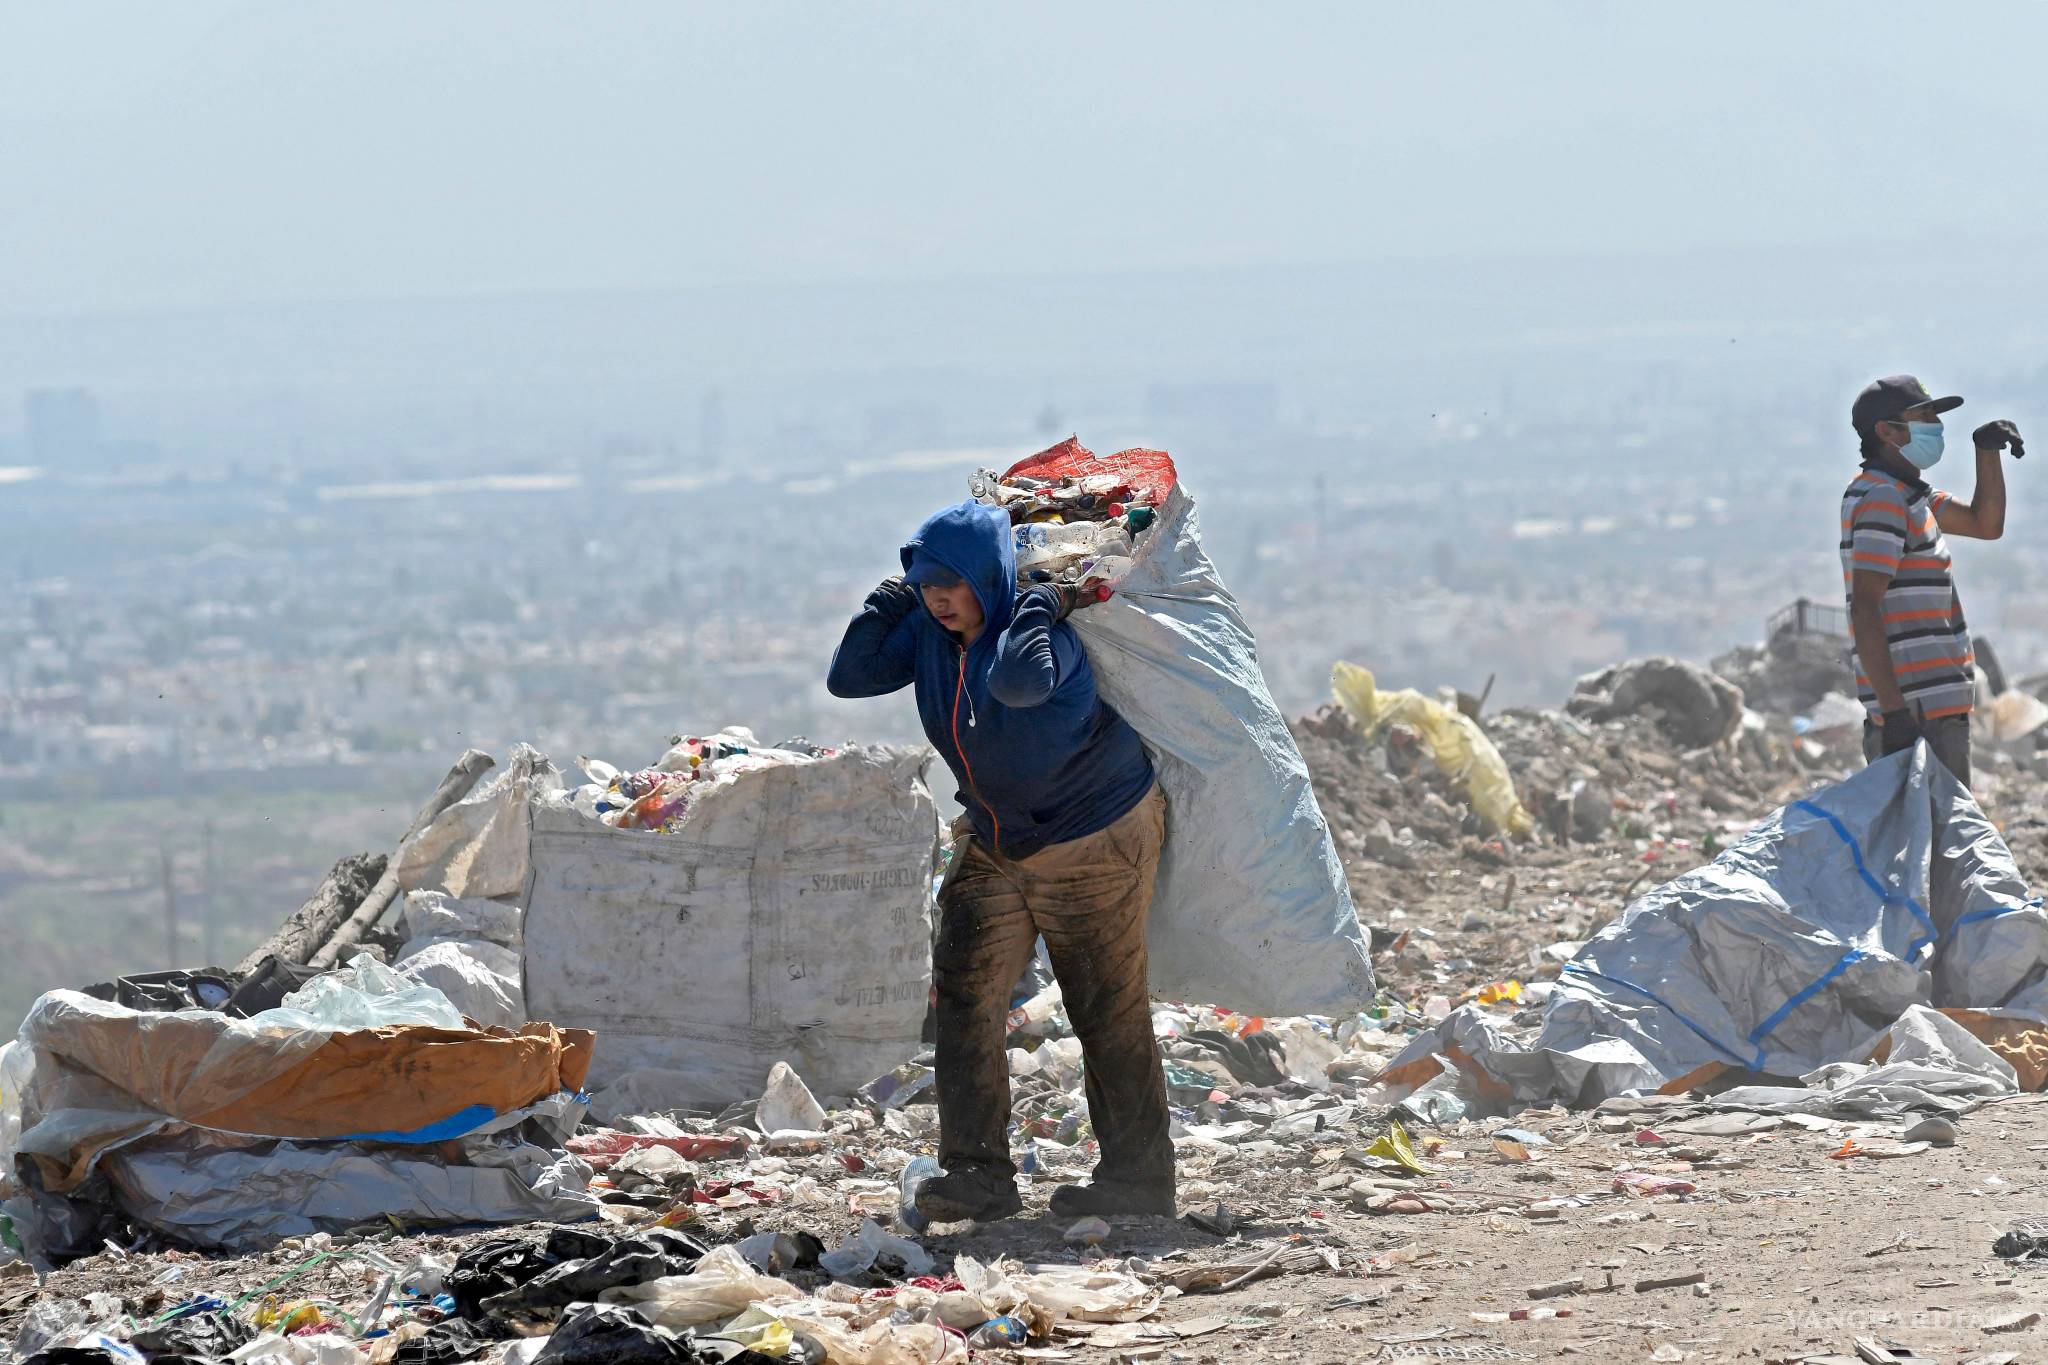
(878, 653)
(1031, 657)
(1983, 516)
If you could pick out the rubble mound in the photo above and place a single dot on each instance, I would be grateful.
(1789, 674)
(1693, 706)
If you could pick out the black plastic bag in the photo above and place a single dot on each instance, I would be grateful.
(505, 1263)
(195, 1334)
(630, 1260)
(446, 1342)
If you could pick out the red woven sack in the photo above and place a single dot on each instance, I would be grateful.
(1149, 473)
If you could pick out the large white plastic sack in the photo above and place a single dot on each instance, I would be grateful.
(480, 978)
(436, 914)
(17, 1066)
(789, 920)
(479, 845)
(1251, 910)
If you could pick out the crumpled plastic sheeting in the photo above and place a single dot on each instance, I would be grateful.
(1251, 909)
(721, 1287)
(320, 1348)
(118, 1092)
(869, 1246)
(879, 1343)
(245, 1199)
(105, 1074)
(1794, 950)
(480, 978)
(1934, 1064)
(1088, 1293)
(61, 1106)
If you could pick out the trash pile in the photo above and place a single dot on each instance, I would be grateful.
(1428, 797)
(1078, 520)
(1790, 672)
(661, 798)
(1866, 951)
(778, 1227)
(355, 1149)
(362, 1095)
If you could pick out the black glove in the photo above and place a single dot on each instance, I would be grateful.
(1901, 731)
(893, 599)
(1996, 435)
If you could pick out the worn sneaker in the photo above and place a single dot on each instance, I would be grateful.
(1110, 1200)
(967, 1196)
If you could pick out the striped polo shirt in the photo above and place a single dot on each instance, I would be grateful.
(1889, 527)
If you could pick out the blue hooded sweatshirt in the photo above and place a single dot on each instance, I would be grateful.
(1040, 758)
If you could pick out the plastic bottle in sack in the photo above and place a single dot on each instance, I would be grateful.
(1054, 545)
(1106, 569)
(914, 1176)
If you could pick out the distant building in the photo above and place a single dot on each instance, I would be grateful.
(61, 427)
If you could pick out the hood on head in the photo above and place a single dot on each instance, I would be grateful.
(974, 541)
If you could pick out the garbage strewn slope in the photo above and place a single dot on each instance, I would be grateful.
(1321, 1225)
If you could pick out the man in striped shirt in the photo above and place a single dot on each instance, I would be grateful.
(1915, 669)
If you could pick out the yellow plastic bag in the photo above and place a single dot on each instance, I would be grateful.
(759, 1330)
(1395, 1147)
(1459, 747)
(1495, 992)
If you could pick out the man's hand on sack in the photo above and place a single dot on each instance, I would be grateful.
(893, 599)
(1997, 435)
(1901, 731)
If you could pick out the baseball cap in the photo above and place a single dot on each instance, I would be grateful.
(1883, 400)
(925, 570)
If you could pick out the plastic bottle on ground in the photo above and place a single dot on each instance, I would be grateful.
(914, 1175)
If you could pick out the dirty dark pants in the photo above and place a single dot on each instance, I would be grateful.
(1949, 737)
(1088, 898)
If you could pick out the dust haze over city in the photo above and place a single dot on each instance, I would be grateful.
(378, 381)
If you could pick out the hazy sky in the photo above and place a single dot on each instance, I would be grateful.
(198, 152)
